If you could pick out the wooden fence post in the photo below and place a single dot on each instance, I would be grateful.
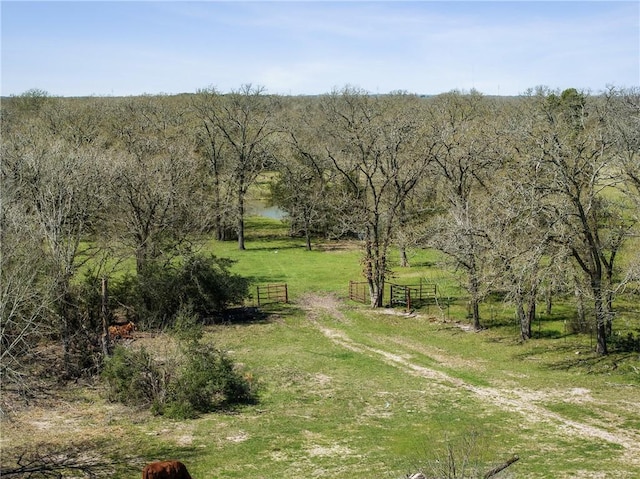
(104, 313)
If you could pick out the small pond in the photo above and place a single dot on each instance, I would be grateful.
(261, 208)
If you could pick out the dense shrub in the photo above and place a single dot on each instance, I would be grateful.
(208, 286)
(187, 326)
(133, 377)
(207, 381)
(202, 283)
(75, 321)
(201, 379)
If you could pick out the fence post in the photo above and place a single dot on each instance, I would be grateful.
(104, 313)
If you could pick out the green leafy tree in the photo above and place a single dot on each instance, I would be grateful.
(203, 284)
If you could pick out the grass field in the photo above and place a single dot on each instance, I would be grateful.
(351, 392)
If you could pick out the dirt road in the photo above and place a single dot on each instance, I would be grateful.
(526, 402)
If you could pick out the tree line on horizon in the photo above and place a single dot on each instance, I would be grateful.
(535, 196)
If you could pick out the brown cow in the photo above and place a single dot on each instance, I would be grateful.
(165, 470)
(121, 331)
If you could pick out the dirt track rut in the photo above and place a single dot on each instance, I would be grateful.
(512, 400)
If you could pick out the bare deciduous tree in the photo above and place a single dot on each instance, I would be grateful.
(570, 146)
(303, 187)
(373, 143)
(158, 185)
(56, 186)
(26, 297)
(465, 162)
(245, 120)
(211, 144)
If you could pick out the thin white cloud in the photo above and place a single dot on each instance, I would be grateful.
(311, 47)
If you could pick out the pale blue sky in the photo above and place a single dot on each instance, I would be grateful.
(304, 47)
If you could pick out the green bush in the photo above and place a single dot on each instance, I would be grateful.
(133, 377)
(187, 326)
(206, 283)
(203, 379)
(208, 381)
(202, 283)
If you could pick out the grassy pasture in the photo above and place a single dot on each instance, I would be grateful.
(347, 391)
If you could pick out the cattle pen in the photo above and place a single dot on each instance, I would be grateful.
(399, 295)
(413, 296)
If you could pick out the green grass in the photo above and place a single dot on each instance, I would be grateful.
(383, 394)
(278, 258)
(408, 418)
(329, 412)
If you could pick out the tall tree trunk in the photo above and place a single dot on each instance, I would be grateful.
(601, 317)
(307, 232)
(376, 292)
(240, 224)
(531, 312)
(474, 289)
(532, 296)
(141, 258)
(374, 272)
(307, 237)
(609, 303)
(104, 313)
(404, 260)
(523, 319)
(218, 222)
(548, 300)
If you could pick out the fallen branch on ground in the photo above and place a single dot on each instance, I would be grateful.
(48, 463)
(501, 467)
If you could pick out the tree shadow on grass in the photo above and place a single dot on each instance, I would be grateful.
(241, 315)
(549, 334)
(590, 362)
(580, 356)
(417, 264)
(275, 247)
(542, 350)
(247, 315)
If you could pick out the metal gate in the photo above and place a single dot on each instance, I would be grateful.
(359, 291)
(412, 296)
(272, 293)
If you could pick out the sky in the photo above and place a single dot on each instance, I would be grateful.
(121, 48)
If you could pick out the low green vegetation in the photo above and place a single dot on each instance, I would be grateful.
(326, 387)
(196, 379)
